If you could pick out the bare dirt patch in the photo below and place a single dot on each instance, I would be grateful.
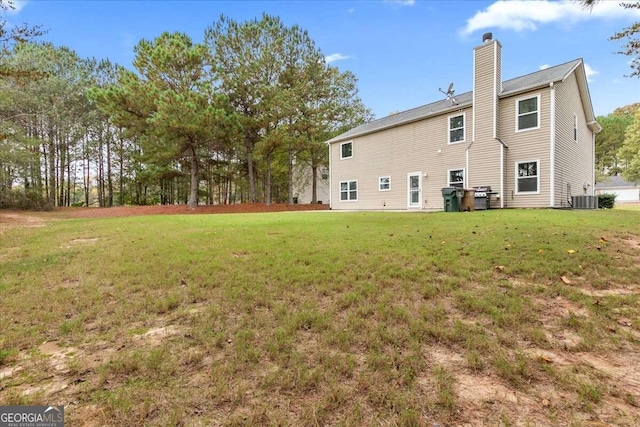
(608, 292)
(56, 374)
(634, 242)
(83, 241)
(154, 337)
(9, 371)
(11, 219)
(58, 356)
(552, 312)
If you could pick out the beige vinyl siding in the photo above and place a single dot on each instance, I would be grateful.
(303, 184)
(415, 147)
(574, 160)
(532, 144)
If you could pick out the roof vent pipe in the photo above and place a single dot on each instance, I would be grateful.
(487, 37)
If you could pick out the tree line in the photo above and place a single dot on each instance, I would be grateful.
(618, 144)
(232, 119)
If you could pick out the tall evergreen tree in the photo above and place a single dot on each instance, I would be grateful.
(611, 138)
(286, 95)
(170, 103)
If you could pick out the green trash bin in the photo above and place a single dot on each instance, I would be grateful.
(452, 197)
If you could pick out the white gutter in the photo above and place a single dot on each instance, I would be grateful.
(594, 126)
(552, 148)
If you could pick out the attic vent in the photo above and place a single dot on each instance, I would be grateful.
(487, 37)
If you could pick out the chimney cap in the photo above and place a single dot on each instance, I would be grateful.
(487, 37)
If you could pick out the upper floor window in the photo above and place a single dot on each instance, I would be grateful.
(575, 127)
(456, 178)
(325, 173)
(346, 150)
(456, 128)
(527, 177)
(528, 112)
(384, 183)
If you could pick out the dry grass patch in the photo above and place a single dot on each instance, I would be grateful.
(326, 319)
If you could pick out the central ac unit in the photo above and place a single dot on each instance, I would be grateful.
(584, 202)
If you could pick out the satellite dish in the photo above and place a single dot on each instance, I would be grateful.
(449, 94)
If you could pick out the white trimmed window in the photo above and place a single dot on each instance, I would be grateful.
(528, 113)
(346, 150)
(348, 191)
(455, 178)
(325, 173)
(384, 183)
(528, 177)
(456, 128)
(575, 127)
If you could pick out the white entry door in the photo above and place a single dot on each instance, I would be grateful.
(414, 186)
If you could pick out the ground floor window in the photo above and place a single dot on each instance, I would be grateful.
(527, 177)
(348, 191)
(384, 183)
(456, 178)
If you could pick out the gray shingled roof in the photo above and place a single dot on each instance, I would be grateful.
(615, 181)
(509, 87)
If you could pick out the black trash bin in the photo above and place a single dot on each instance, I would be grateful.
(451, 197)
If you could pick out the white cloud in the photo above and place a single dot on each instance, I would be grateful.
(544, 66)
(519, 15)
(18, 5)
(401, 2)
(127, 43)
(335, 57)
(590, 72)
(351, 10)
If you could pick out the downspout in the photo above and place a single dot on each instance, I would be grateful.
(330, 176)
(595, 129)
(501, 176)
(466, 166)
(502, 148)
(552, 148)
(593, 163)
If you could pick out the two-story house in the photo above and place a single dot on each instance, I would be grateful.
(531, 139)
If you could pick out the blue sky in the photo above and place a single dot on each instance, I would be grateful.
(400, 51)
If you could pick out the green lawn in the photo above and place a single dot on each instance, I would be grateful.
(502, 317)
